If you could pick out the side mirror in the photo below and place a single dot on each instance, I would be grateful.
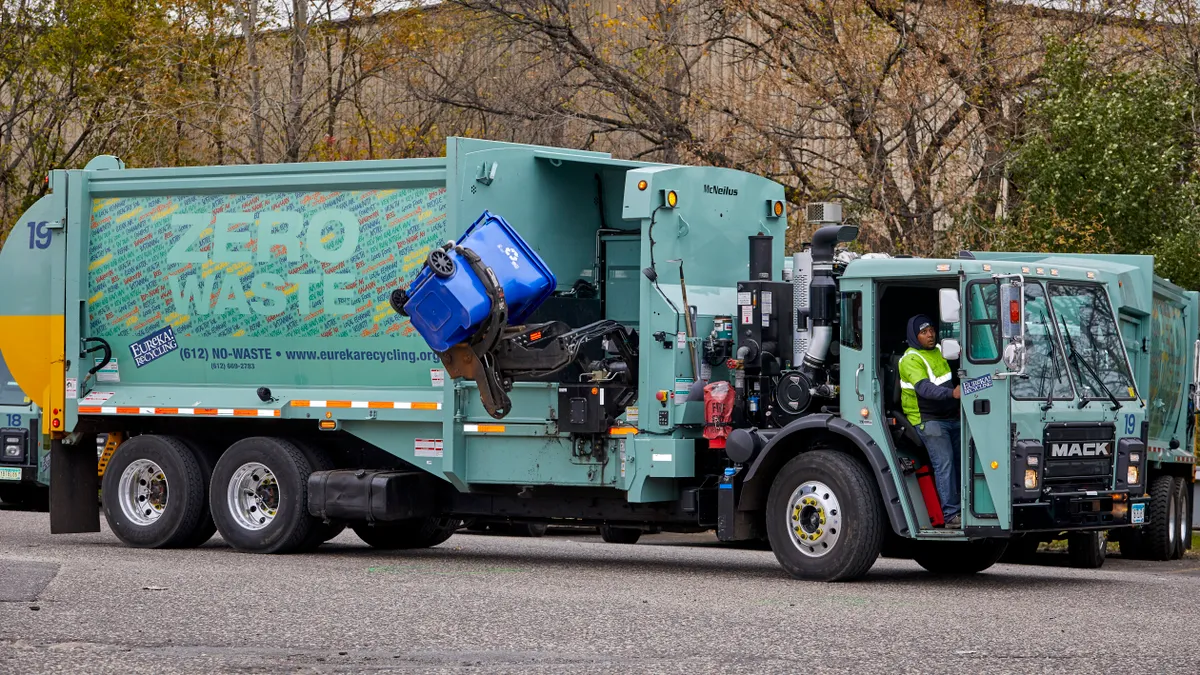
(949, 305)
(1014, 357)
(951, 350)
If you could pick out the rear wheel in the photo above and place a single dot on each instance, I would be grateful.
(1161, 537)
(958, 557)
(407, 534)
(206, 459)
(259, 497)
(153, 493)
(1087, 550)
(620, 535)
(825, 518)
(1183, 521)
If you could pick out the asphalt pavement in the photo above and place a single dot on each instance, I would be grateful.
(568, 604)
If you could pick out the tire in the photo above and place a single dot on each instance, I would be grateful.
(1021, 550)
(323, 531)
(1087, 550)
(959, 557)
(259, 497)
(620, 535)
(1160, 536)
(206, 459)
(406, 534)
(26, 495)
(1183, 521)
(1132, 541)
(834, 502)
(153, 493)
(534, 530)
(331, 530)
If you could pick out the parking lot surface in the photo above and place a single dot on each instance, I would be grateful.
(567, 603)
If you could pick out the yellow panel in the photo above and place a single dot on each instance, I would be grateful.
(33, 350)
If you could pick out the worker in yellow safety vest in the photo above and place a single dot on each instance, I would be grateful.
(930, 400)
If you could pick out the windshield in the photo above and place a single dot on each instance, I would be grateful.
(10, 393)
(1045, 370)
(1086, 322)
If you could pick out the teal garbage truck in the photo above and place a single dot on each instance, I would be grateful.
(540, 335)
(24, 463)
(1157, 322)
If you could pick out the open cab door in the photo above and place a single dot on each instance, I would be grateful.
(994, 352)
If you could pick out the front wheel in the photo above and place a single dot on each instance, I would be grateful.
(825, 518)
(406, 534)
(1087, 550)
(959, 557)
(620, 535)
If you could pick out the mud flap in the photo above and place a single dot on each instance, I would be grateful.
(74, 506)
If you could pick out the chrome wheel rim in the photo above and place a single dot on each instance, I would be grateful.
(253, 496)
(143, 492)
(1184, 530)
(1173, 521)
(814, 519)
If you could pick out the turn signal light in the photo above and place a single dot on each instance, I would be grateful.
(328, 425)
(1030, 479)
(1131, 476)
(642, 185)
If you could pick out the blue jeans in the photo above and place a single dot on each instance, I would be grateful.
(943, 440)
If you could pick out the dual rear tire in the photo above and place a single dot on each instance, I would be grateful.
(167, 492)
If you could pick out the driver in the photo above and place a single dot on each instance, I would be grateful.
(931, 402)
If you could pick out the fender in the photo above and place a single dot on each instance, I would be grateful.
(757, 483)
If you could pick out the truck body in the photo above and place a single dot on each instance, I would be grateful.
(237, 335)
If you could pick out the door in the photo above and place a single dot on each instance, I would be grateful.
(987, 363)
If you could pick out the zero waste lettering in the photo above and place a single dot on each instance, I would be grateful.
(301, 264)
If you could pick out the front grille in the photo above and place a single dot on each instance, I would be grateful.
(1079, 455)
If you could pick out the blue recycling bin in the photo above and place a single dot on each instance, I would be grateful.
(448, 303)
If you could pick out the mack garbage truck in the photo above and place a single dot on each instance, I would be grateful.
(603, 342)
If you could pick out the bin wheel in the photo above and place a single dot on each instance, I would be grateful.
(1086, 550)
(441, 263)
(398, 299)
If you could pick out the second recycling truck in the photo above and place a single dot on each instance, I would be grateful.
(244, 336)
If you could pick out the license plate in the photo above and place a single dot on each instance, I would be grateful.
(1137, 515)
(10, 473)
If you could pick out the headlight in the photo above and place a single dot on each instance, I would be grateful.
(101, 441)
(1031, 478)
(1031, 460)
(11, 451)
(1132, 476)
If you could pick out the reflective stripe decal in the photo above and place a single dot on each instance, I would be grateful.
(374, 405)
(142, 410)
(941, 379)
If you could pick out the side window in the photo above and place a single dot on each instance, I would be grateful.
(983, 322)
(851, 320)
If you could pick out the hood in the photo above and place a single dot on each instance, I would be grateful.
(914, 326)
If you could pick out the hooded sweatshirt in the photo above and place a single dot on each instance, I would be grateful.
(926, 381)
